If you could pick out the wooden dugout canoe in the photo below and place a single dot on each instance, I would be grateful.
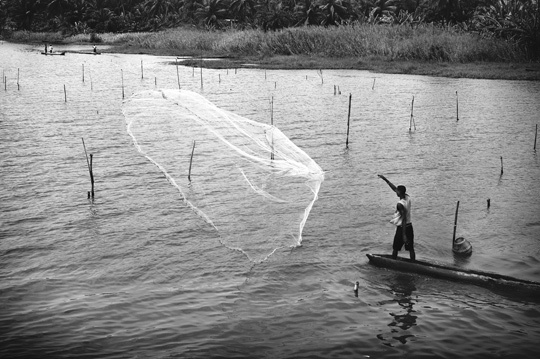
(446, 271)
(86, 52)
(54, 53)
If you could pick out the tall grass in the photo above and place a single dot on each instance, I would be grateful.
(34, 37)
(391, 42)
(426, 43)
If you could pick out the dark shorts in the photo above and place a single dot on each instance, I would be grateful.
(398, 238)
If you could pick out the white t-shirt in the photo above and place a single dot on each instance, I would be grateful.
(406, 202)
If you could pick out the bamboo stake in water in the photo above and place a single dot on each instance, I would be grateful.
(201, 72)
(455, 223)
(177, 73)
(65, 94)
(502, 170)
(82, 72)
(411, 122)
(122, 71)
(18, 87)
(373, 87)
(191, 161)
(90, 169)
(142, 70)
(92, 175)
(535, 135)
(457, 107)
(272, 111)
(348, 121)
(272, 123)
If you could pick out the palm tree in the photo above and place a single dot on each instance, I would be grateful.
(157, 7)
(187, 10)
(23, 12)
(307, 12)
(210, 12)
(381, 7)
(272, 15)
(242, 10)
(333, 11)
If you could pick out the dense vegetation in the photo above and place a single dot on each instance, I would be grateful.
(517, 21)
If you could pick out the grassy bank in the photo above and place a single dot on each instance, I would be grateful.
(423, 49)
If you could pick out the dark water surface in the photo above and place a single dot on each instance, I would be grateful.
(138, 273)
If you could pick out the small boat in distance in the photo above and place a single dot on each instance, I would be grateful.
(84, 52)
(88, 52)
(62, 53)
(451, 272)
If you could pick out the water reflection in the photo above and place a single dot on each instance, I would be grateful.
(402, 287)
(461, 260)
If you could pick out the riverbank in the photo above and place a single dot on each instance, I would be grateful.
(422, 50)
(529, 71)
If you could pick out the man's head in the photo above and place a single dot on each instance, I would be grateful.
(401, 190)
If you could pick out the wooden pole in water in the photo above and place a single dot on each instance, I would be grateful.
(272, 111)
(348, 121)
(65, 94)
(373, 87)
(177, 73)
(142, 70)
(201, 72)
(457, 107)
(82, 72)
(272, 123)
(535, 135)
(502, 170)
(412, 116)
(455, 224)
(90, 169)
(122, 72)
(191, 161)
(18, 87)
(92, 174)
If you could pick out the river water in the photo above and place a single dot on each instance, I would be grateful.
(159, 266)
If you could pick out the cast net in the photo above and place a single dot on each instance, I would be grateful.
(248, 180)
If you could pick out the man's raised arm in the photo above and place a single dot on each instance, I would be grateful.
(394, 188)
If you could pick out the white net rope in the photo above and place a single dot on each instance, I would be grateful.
(248, 180)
